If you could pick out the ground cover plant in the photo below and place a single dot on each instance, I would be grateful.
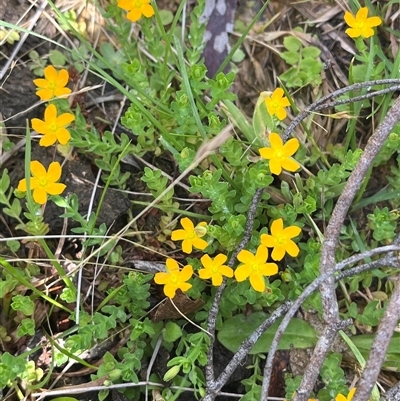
(219, 232)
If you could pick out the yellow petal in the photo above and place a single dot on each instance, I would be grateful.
(147, 10)
(291, 248)
(134, 15)
(353, 32)
(55, 189)
(268, 240)
(291, 231)
(275, 166)
(22, 185)
(290, 165)
(187, 224)
(257, 282)
(367, 32)
(277, 94)
(373, 21)
(242, 272)
(125, 4)
(278, 253)
(206, 261)
(216, 280)
(178, 235)
(275, 140)
(50, 73)
(220, 259)
(261, 254)
(39, 195)
(185, 287)
(171, 265)
(186, 273)
(39, 125)
(161, 278)
(41, 83)
(37, 169)
(187, 246)
(269, 269)
(245, 256)
(349, 18)
(340, 397)
(48, 140)
(54, 171)
(170, 290)
(267, 153)
(62, 91)
(50, 113)
(63, 136)
(277, 227)
(351, 394)
(65, 119)
(226, 271)
(204, 274)
(281, 113)
(291, 147)
(62, 78)
(362, 14)
(200, 243)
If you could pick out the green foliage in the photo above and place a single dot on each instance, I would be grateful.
(306, 66)
(234, 331)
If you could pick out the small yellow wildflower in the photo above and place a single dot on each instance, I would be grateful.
(360, 25)
(255, 267)
(281, 240)
(53, 128)
(191, 235)
(276, 104)
(341, 397)
(136, 8)
(279, 154)
(53, 84)
(215, 269)
(43, 182)
(174, 278)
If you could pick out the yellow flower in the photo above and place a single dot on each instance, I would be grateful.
(255, 267)
(43, 182)
(279, 154)
(136, 8)
(361, 25)
(276, 104)
(53, 128)
(174, 278)
(215, 269)
(281, 240)
(190, 235)
(349, 397)
(53, 84)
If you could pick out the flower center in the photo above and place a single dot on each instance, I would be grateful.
(280, 154)
(191, 235)
(53, 127)
(281, 240)
(275, 104)
(52, 85)
(215, 269)
(43, 182)
(138, 4)
(255, 267)
(174, 279)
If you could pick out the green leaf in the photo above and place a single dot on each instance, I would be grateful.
(298, 334)
(166, 17)
(290, 57)
(292, 44)
(363, 343)
(172, 332)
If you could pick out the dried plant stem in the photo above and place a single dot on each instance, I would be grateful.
(327, 263)
(380, 345)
